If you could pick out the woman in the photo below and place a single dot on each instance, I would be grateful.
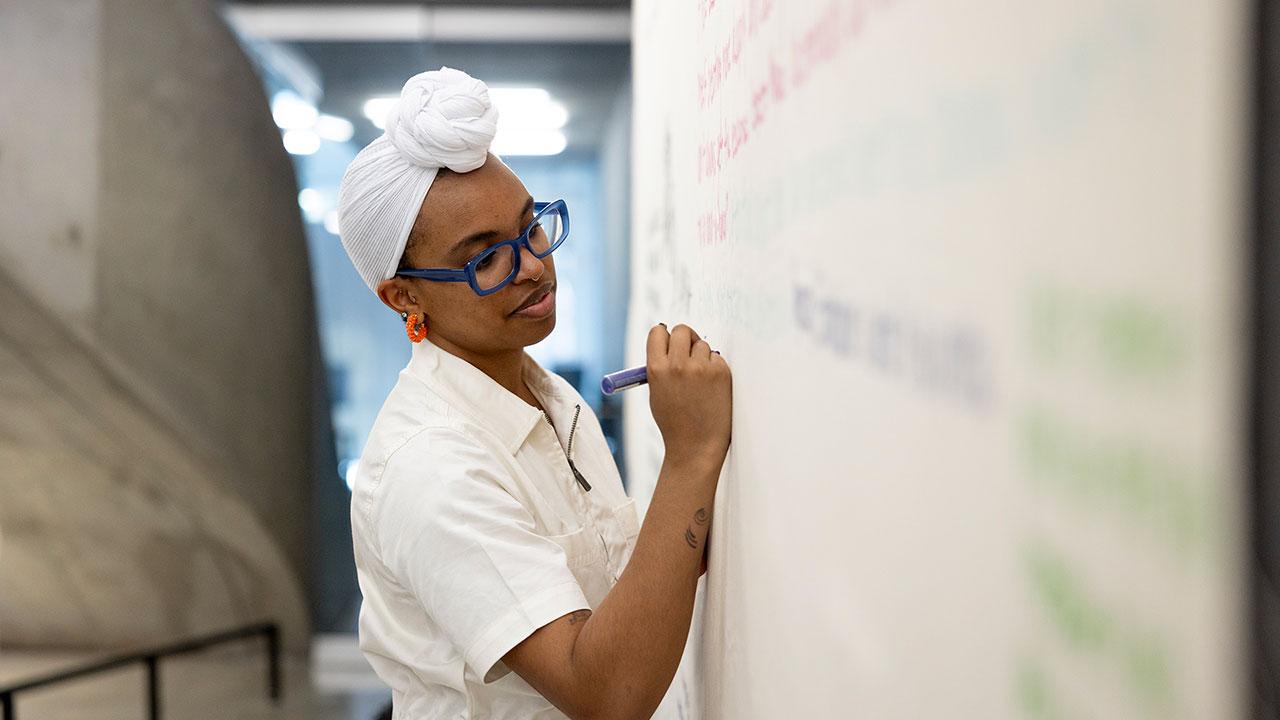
(504, 571)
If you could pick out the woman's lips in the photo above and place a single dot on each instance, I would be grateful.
(540, 309)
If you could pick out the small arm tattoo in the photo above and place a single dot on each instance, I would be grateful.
(702, 517)
(578, 616)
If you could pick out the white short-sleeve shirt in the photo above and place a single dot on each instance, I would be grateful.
(471, 531)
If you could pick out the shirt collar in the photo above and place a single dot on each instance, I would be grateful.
(483, 399)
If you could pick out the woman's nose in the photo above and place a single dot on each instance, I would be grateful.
(530, 265)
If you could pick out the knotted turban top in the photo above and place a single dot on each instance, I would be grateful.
(443, 119)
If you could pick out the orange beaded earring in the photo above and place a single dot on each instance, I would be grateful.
(415, 330)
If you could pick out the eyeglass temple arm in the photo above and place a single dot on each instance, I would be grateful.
(435, 273)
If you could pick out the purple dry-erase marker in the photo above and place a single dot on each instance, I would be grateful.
(623, 379)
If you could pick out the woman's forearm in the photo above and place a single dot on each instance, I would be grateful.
(630, 647)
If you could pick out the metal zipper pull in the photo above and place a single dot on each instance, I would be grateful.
(581, 480)
(569, 452)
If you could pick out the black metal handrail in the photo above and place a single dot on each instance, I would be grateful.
(151, 659)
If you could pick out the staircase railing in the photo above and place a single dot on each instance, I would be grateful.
(151, 658)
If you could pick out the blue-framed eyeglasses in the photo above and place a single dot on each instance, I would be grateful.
(495, 266)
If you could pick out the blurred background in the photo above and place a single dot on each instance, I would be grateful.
(189, 364)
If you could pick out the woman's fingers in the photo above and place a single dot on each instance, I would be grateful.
(681, 341)
(701, 350)
(656, 345)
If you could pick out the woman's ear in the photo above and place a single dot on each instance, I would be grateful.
(397, 293)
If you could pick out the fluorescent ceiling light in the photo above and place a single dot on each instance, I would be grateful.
(376, 109)
(528, 142)
(312, 203)
(527, 107)
(331, 221)
(301, 142)
(349, 472)
(529, 120)
(292, 112)
(518, 108)
(332, 127)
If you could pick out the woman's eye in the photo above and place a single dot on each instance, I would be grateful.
(485, 260)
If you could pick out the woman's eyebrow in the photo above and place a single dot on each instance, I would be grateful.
(486, 235)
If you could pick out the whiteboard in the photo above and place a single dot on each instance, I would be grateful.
(977, 268)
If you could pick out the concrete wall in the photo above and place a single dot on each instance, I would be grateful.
(203, 274)
(148, 212)
(49, 150)
(115, 532)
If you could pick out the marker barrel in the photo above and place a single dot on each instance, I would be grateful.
(623, 379)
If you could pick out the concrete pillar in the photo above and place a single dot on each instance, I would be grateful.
(150, 240)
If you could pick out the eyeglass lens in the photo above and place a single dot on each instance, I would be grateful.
(493, 268)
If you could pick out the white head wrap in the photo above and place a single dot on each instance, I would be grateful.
(443, 119)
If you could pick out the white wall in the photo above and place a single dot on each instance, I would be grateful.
(977, 268)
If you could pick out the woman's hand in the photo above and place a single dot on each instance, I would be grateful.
(690, 394)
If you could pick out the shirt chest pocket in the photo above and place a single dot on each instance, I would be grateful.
(629, 522)
(584, 552)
